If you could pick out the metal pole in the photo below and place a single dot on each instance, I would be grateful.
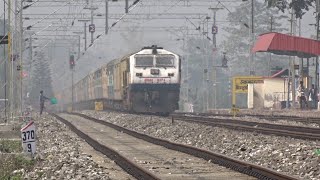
(207, 64)
(31, 57)
(21, 54)
(252, 17)
(92, 23)
(72, 88)
(79, 47)
(85, 36)
(127, 6)
(215, 69)
(214, 42)
(252, 39)
(293, 89)
(107, 9)
(5, 63)
(10, 64)
(317, 59)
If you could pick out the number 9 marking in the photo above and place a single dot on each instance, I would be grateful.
(29, 147)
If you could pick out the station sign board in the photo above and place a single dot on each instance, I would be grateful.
(28, 136)
(240, 85)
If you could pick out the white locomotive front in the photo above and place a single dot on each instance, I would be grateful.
(154, 81)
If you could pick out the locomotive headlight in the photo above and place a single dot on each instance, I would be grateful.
(170, 74)
(155, 71)
(139, 74)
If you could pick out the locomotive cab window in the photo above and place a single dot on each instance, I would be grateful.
(144, 61)
(165, 60)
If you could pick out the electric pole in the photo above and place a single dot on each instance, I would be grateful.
(85, 32)
(107, 11)
(214, 42)
(91, 26)
(10, 63)
(270, 54)
(20, 55)
(127, 6)
(5, 64)
(252, 69)
(317, 59)
(291, 67)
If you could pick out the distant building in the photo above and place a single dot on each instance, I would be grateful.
(273, 93)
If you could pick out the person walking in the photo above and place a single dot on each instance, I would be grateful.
(312, 95)
(302, 97)
(42, 99)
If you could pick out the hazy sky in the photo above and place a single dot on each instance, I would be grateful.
(128, 35)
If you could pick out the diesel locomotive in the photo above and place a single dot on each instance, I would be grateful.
(147, 81)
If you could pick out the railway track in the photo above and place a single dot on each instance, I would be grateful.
(307, 133)
(271, 117)
(122, 161)
(236, 165)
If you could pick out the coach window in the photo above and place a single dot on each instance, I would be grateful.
(165, 60)
(144, 60)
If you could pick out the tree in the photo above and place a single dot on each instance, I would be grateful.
(300, 6)
(238, 43)
(41, 78)
(2, 63)
(198, 53)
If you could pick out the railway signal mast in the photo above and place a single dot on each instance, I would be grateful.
(72, 65)
(214, 42)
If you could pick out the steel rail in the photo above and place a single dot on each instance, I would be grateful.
(234, 164)
(126, 164)
(270, 117)
(264, 128)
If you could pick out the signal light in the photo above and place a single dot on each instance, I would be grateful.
(71, 62)
(224, 60)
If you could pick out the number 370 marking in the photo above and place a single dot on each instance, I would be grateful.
(28, 135)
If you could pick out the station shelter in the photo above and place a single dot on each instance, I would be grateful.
(272, 93)
(288, 45)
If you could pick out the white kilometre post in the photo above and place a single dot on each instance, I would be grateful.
(28, 136)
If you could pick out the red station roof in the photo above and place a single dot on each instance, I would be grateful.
(283, 44)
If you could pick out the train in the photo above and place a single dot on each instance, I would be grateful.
(146, 81)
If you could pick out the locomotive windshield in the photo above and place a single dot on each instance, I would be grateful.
(164, 60)
(144, 60)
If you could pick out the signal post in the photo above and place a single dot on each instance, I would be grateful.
(71, 66)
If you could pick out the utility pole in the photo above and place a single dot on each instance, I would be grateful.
(317, 59)
(10, 64)
(214, 42)
(270, 54)
(291, 66)
(5, 64)
(91, 26)
(127, 6)
(252, 69)
(107, 11)
(85, 32)
(91, 22)
(85, 36)
(79, 43)
(21, 58)
(31, 56)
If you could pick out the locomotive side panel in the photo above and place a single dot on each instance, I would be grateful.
(104, 82)
(125, 71)
(97, 84)
(91, 85)
(110, 72)
(117, 82)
